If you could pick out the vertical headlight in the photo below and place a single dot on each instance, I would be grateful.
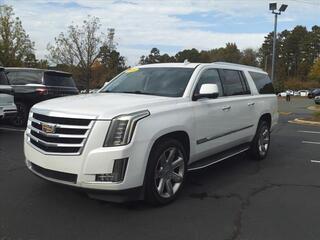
(122, 128)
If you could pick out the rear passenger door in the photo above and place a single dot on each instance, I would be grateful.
(240, 105)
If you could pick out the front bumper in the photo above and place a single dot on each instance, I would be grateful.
(80, 170)
(8, 112)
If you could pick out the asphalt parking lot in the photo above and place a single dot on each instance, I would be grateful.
(277, 198)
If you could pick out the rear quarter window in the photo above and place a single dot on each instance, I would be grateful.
(262, 82)
(58, 80)
(24, 77)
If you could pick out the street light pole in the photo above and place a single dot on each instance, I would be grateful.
(274, 45)
(273, 8)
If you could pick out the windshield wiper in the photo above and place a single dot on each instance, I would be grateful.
(137, 92)
(129, 92)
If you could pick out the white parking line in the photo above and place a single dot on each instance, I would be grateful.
(314, 132)
(315, 161)
(11, 129)
(318, 143)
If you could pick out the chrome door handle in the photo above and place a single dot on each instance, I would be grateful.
(251, 104)
(226, 108)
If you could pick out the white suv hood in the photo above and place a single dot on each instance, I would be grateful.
(102, 105)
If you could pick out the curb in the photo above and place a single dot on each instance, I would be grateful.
(285, 113)
(300, 121)
(313, 108)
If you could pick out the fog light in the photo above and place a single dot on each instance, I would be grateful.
(104, 177)
(118, 172)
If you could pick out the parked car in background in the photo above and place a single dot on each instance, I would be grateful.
(303, 93)
(7, 107)
(314, 92)
(317, 100)
(296, 93)
(282, 94)
(290, 92)
(31, 86)
(140, 135)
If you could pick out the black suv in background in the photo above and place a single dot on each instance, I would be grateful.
(314, 92)
(31, 86)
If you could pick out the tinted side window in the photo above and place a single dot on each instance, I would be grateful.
(232, 84)
(262, 82)
(245, 83)
(24, 77)
(209, 76)
(3, 78)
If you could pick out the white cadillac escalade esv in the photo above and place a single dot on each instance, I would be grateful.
(139, 135)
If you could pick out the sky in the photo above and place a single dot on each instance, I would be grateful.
(169, 25)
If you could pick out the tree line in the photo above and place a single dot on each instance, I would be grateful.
(92, 57)
(229, 53)
(297, 60)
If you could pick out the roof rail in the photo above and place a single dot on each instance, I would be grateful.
(238, 65)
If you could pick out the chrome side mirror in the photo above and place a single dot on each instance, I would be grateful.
(207, 90)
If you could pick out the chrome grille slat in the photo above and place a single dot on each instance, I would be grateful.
(60, 125)
(52, 137)
(49, 144)
(56, 134)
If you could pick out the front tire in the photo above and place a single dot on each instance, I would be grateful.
(166, 172)
(261, 141)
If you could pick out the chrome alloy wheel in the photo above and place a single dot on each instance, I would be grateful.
(169, 173)
(264, 140)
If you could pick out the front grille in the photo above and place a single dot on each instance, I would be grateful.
(58, 135)
(61, 176)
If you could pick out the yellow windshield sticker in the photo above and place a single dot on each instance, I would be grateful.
(131, 70)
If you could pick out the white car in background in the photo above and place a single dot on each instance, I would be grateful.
(282, 94)
(303, 93)
(7, 107)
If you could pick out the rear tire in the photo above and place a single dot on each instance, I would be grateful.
(166, 172)
(22, 115)
(261, 142)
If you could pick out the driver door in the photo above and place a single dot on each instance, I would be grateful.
(211, 117)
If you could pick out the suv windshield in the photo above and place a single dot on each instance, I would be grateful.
(58, 79)
(162, 81)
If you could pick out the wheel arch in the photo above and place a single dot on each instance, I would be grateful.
(267, 117)
(180, 135)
